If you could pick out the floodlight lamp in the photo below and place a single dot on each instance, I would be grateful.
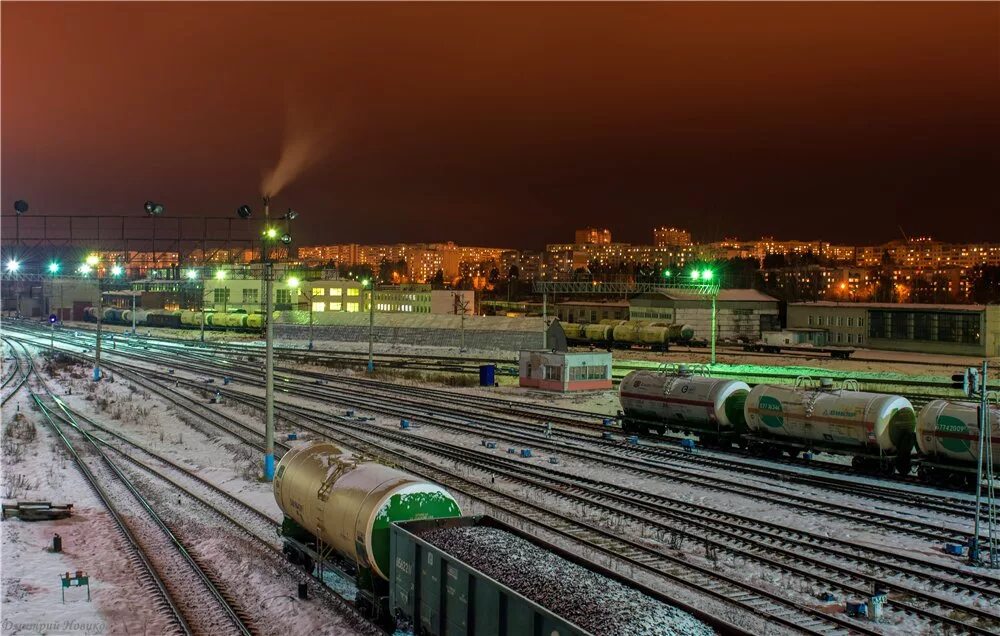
(707, 274)
(220, 275)
(695, 275)
(20, 206)
(286, 238)
(116, 270)
(293, 282)
(192, 274)
(53, 268)
(291, 214)
(93, 260)
(13, 266)
(271, 233)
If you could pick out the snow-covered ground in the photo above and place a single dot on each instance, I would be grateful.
(43, 471)
(218, 457)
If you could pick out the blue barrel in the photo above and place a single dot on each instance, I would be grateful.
(491, 444)
(404, 424)
(487, 374)
(953, 549)
(292, 436)
(608, 421)
(525, 452)
(633, 439)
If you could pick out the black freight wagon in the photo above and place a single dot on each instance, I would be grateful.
(440, 595)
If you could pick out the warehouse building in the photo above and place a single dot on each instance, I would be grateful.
(740, 313)
(945, 329)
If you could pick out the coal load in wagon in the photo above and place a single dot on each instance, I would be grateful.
(594, 602)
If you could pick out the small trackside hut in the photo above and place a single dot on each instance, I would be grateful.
(565, 370)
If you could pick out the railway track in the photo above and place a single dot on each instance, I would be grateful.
(476, 460)
(736, 539)
(643, 456)
(182, 589)
(775, 465)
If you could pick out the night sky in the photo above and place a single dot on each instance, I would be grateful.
(510, 125)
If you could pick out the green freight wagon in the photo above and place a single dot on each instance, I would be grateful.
(437, 593)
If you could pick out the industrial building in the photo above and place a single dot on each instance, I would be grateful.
(945, 329)
(591, 312)
(740, 313)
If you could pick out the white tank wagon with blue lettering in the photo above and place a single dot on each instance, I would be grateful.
(877, 430)
(948, 438)
(676, 399)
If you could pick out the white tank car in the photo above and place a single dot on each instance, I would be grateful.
(854, 422)
(948, 433)
(655, 400)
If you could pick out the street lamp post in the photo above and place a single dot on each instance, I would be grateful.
(370, 284)
(92, 262)
(270, 234)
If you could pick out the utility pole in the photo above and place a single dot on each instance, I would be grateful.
(545, 321)
(984, 463)
(133, 313)
(268, 345)
(715, 295)
(371, 325)
(97, 347)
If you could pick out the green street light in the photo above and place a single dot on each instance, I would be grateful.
(220, 275)
(666, 273)
(93, 260)
(293, 282)
(53, 268)
(116, 270)
(271, 233)
(707, 274)
(695, 275)
(364, 281)
(192, 274)
(85, 269)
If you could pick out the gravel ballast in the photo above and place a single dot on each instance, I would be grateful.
(594, 602)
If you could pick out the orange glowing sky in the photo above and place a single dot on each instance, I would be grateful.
(471, 121)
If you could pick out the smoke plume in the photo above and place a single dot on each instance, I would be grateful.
(307, 139)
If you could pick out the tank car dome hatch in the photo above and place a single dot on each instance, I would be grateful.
(350, 503)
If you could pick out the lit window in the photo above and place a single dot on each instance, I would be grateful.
(336, 291)
(337, 306)
(353, 291)
(353, 306)
(319, 291)
(319, 306)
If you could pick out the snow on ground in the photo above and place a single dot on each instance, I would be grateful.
(134, 413)
(91, 543)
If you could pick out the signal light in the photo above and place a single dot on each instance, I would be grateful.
(695, 274)
(53, 319)
(707, 274)
(967, 381)
(116, 270)
(271, 233)
(666, 273)
(286, 238)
